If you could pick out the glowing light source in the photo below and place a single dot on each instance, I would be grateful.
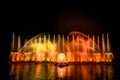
(75, 47)
(61, 57)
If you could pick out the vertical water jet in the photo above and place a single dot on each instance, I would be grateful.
(35, 41)
(73, 42)
(59, 47)
(68, 39)
(98, 43)
(19, 43)
(48, 40)
(53, 39)
(44, 42)
(63, 42)
(93, 43)
(78, 42)
(39, 40)
(79, 48)
(108, 43)
(88, 43)
(45, 39)
(103, 43)
(13, 42)
(82, 47)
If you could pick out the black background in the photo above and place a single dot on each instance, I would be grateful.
(29, 19)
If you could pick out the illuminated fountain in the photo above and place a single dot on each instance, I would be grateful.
(74, 47)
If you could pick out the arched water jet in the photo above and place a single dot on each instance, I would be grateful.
(25, 40)
(76, 47)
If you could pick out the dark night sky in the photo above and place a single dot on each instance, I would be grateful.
(32, 19)
(29, 19)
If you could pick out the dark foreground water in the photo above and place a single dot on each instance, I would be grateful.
(48, 71)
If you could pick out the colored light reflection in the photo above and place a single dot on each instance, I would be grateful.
(61, 72)
(75, 47)
(61, 58)
(43, 71)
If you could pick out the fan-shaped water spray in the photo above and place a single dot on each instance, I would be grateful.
(74, 47)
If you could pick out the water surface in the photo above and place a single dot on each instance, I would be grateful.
(48, 71)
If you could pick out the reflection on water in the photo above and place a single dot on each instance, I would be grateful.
(48, 71)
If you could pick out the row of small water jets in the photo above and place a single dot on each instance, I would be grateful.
(75, 47)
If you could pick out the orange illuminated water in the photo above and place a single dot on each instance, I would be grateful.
(47, 71)
(74, 47)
